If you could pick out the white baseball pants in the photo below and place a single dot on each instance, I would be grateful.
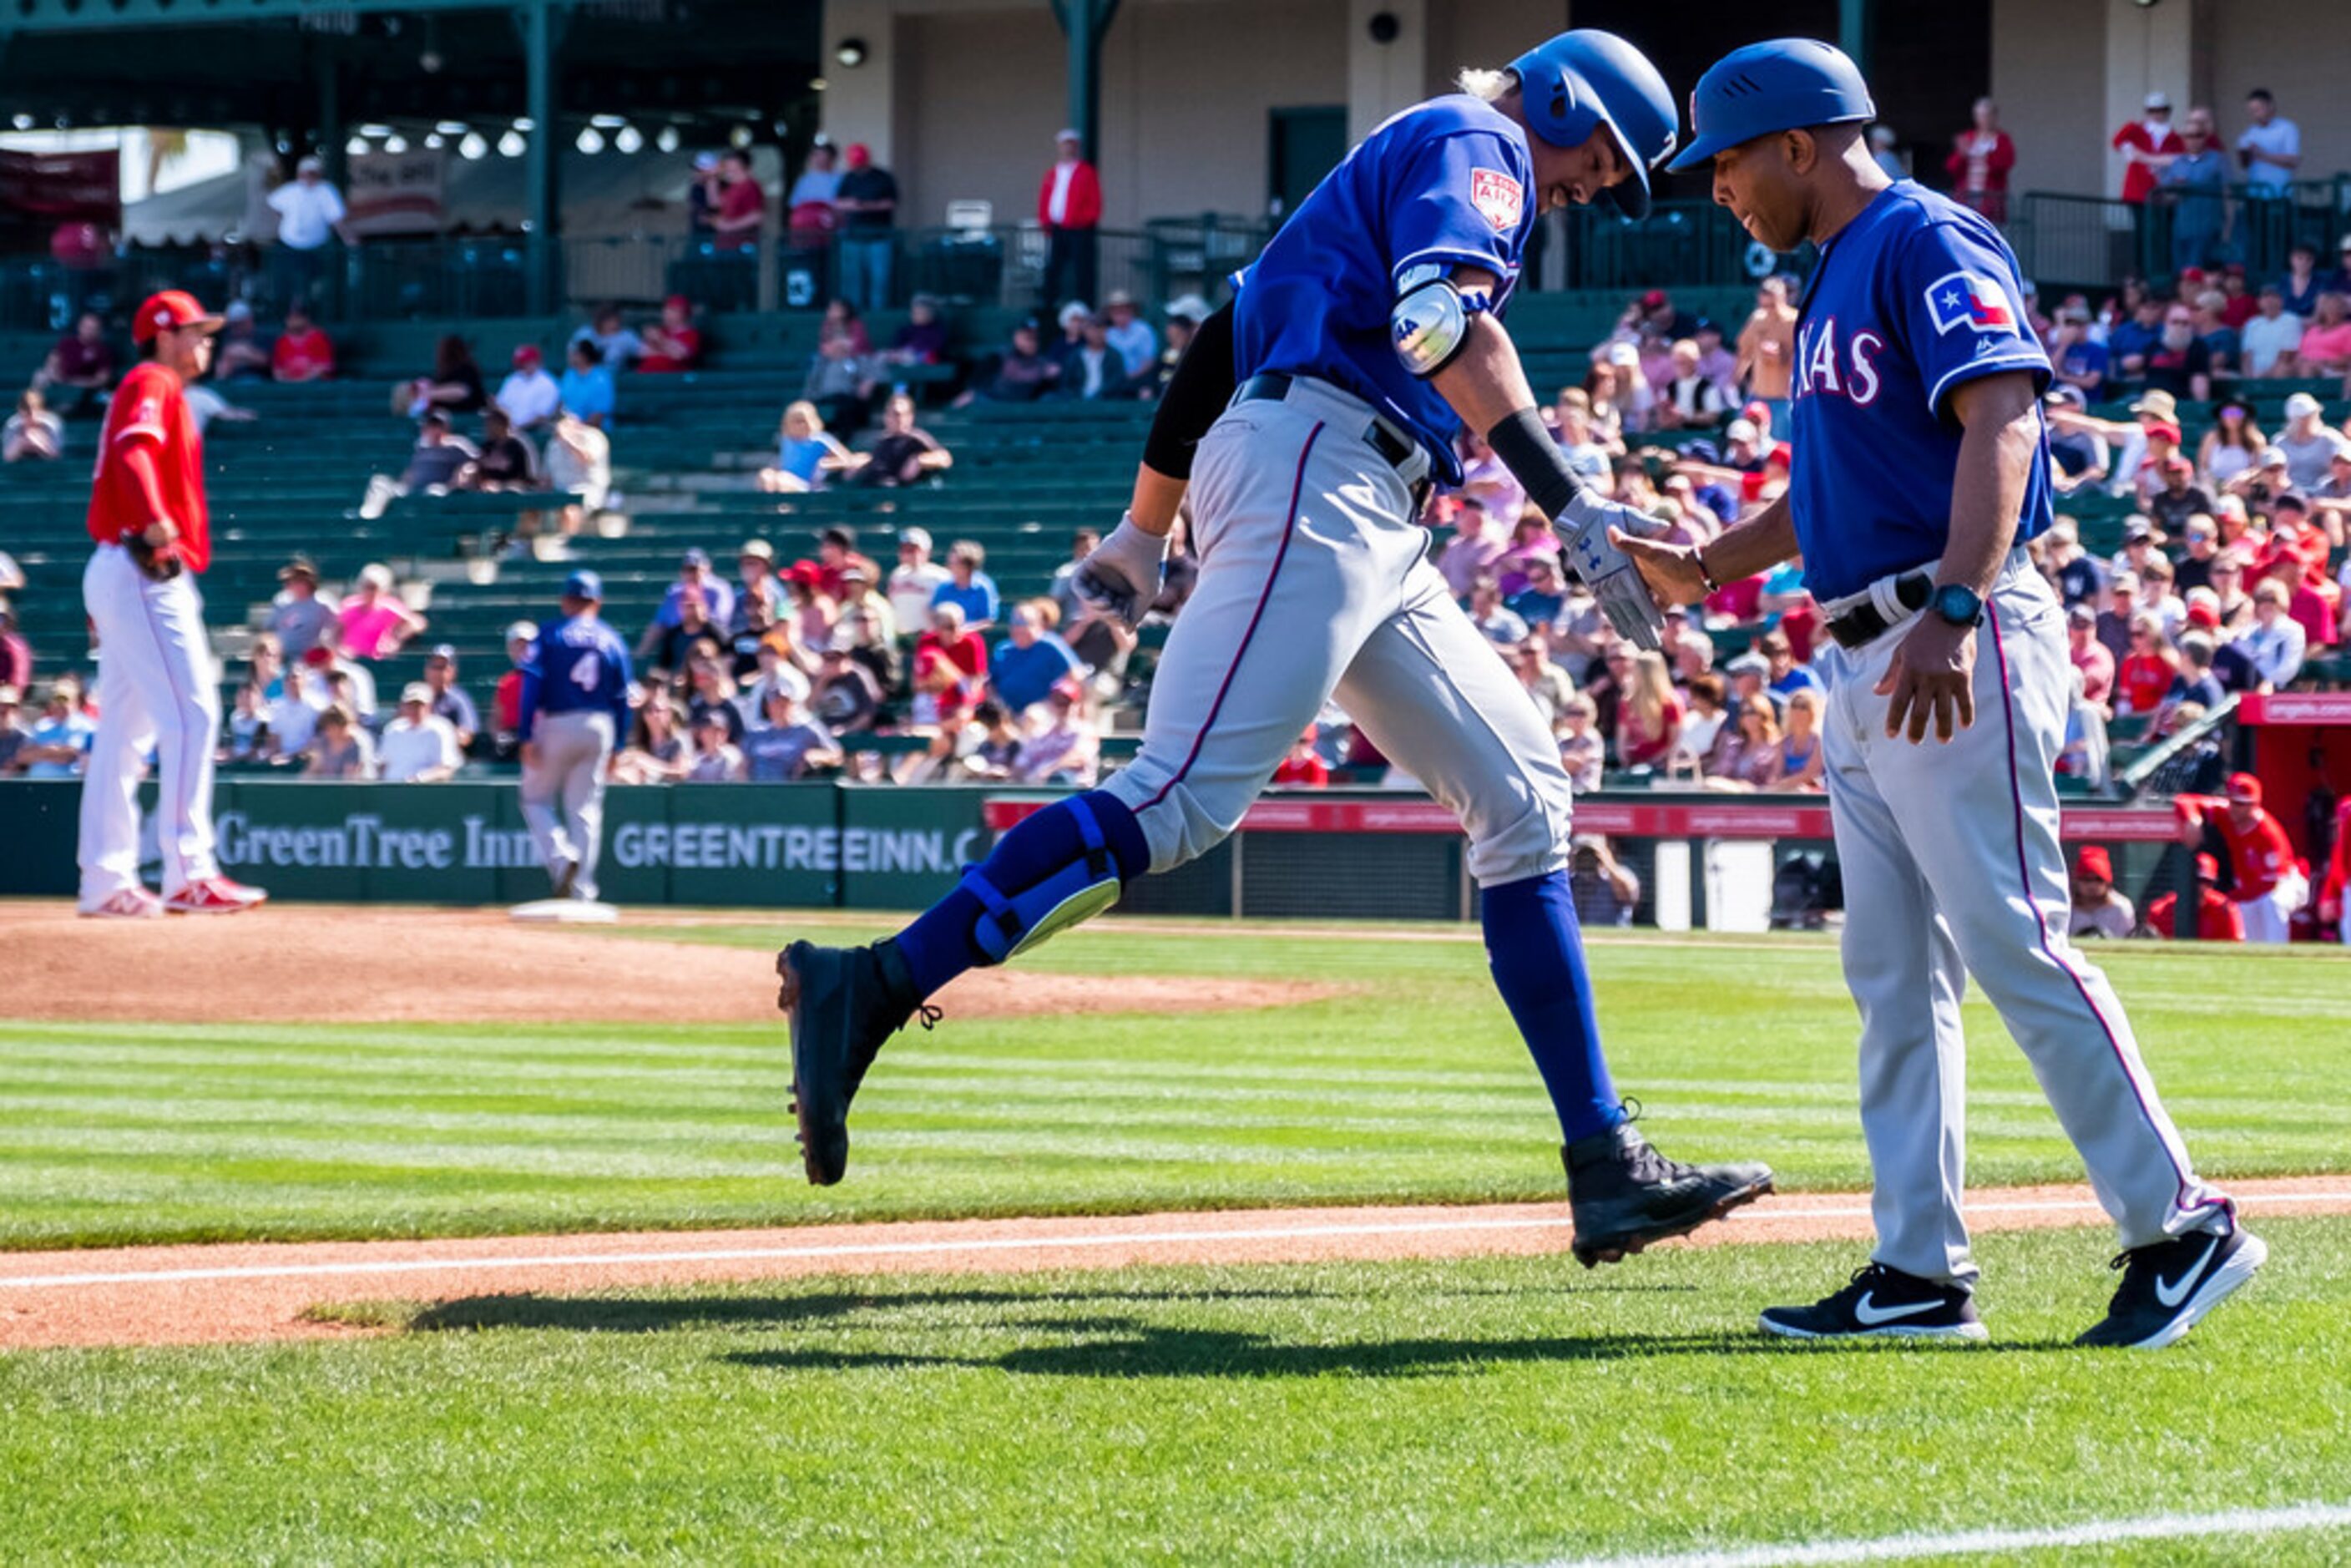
(2270, 918)
(563, 793)
(1952, 867)
(1314, 577)
(157, 690)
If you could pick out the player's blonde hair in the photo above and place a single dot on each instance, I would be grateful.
(1489, 84)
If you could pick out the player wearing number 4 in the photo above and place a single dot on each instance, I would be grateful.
(1306, 419)
(158, 686)
(1920, 471)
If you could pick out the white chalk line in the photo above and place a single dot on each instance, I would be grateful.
(818, 1253)
(2232, 1524)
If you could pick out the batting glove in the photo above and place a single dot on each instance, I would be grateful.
(1609, 572)
(1123, 574)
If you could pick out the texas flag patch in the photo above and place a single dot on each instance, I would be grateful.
(1966, 299)
(1501, 200)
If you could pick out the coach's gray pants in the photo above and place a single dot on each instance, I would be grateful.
(1952, 866)
(563, 793)
(1314, 577)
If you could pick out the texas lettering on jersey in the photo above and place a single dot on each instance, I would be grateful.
(1849, 370)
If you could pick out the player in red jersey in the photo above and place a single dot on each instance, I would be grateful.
(2269, 885)
(158, 683)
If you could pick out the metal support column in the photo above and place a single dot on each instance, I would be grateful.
(1083, 23)
(1856, 29)
(539, 161)
(330, 119)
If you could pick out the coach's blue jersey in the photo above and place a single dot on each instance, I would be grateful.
(1448, 182)
(1913, 298)
(578, 665)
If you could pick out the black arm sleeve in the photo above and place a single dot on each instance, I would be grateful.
(1536, 462)
(1197, 392)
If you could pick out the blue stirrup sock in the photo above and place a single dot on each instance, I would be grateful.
(1536, 950)
(943, 941)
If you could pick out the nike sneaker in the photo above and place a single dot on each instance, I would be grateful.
(2169, 1287)
(1880, 1302)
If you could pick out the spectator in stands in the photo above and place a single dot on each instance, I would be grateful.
(1799, 747)
(2307, 442)
(914, 582)
(2217, 918)
(618, 345)
(508, 462)
(1981, 156)
(1090, 367)
(2179, 362)
(758, 590)
(837, 378)
(447, 700)
(453, 387)
(1618, 396)
(1579, 442)
(1501, 624)
(1604, 891)
(1473, 551)
(2219, 338)
(2269, 148)
(674, 343)
(2077, 359)
(240, 356)
(1184, 318)
(1032, 657)
(742, 209)
(2099, 909)
(1544, 598)
(587, 389)
(710, 687)
(1707, 722)
(809, 214)
(1063, 591)
(2130, 342)
(968, 587)
(530, 396)
(2194, 570)
(32, 431)
(303, 351)
(1788, 677)
(658, 749)
(79, 369)
(923, 341)
(2325, 346)
(578, 464)
(311, 211)
(1022, 373)
(13, 737)
(1688, 400)
(1582, 751)
(2180, 497)
(2193, 181)
(867, 200)
(2302, 283)
(903, 454)
(952, 639)
(2234, 444)
(2079, 458)
(807, 454)
(342, 749)
(1138, 349)
(16, 654)
(2275, 643)
(1068, 209)
(419, 746)
(1767, 350)
(58, 744)
(788, 743)
(847, 699)
(374, 621)
(1649, 715)
(2146, 144)
(696, 582)
(1063, 748)
(2145, 676)
(715, 757)
(2194, 686)
(1303, 766)
(434, 465)
(836, 558)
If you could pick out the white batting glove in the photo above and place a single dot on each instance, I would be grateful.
(1609, 572)
(1124, 572)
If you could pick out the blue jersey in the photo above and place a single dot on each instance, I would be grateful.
(1913, 298)
(578, 665)
(1448, 183)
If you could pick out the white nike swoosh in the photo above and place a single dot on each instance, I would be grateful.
(1867, 1312)
(2172, 1294)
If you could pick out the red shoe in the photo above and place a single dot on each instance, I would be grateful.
(214, 895)
(131, 904)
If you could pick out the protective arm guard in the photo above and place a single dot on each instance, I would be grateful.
(1075, 893)
(1429, 324)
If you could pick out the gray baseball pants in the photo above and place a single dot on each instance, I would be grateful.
(563, 793)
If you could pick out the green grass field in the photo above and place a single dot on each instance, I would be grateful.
(1486, 1412)
(1411, 1086)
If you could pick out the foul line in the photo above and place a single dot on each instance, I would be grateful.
(494, 1265)
(2236, 1523)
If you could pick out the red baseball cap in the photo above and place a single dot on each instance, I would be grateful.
(2205, 616)
(2207, 869)
(2246, 787)
(677, 302)
(2093, 861)
(1652, 299)
(172, 307)
(527, 354)
(2166, 432)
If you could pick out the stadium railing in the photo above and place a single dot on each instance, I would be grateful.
(2066, 240)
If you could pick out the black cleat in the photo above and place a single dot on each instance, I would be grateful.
(844, 1003)
(2169, 1287)
(1882, 1303)
(1624, 1195)
(563, 880)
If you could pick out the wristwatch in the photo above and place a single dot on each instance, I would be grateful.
(1959, 604)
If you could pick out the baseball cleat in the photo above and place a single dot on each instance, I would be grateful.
(1624, 1195)
(564, 877)
(843, 1002)
(214, 895)
(131, 904)
(1880, 1302)
(2169, 1287)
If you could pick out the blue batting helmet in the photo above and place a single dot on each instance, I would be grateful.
(1586, 78)
(1785, 84)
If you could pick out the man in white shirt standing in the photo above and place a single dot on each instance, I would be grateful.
(2269, 149)
(311, 211)
(2270, 339)
(530, 396)
(420, 746)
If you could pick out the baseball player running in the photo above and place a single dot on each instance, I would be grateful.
(1921, 466)
(158, 686)
(1307, 420)
(574, 707)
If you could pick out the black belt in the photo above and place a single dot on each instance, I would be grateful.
(1393, 444)
(1864, 623)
